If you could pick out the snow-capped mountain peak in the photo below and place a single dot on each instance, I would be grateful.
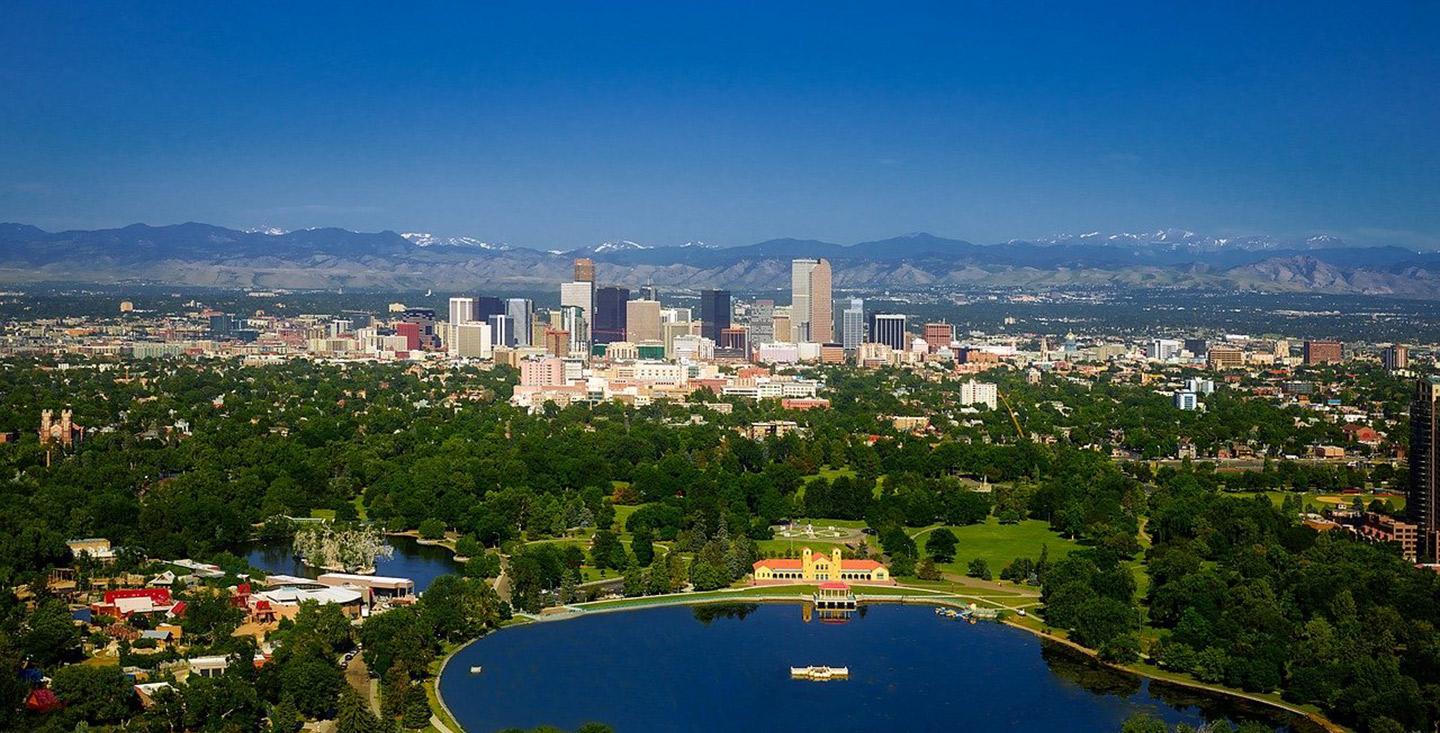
(426, 239)
(620, 246)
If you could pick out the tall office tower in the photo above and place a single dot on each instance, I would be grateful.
(585, 270)
(938, 335)
(1421, 503)
(424, 318)
(782, 328)
(1198, 347)
(888, 329)
(472, 341)
(579, 294)
(1323, 352)
(573, 322)
(1395, 358)
(502, 330)
(714, 313)
(462, 310)
(852, 325)
(488, 305)
(649, 292)
(521, 312)
(812, 314)
(642, 321)
(761, 321)
(674, 315)
(610, 315)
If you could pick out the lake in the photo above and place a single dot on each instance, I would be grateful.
(726, 668)
(420, 563)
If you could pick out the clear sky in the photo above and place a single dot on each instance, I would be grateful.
(560, 125)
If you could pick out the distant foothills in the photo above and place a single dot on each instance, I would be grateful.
(205, 255)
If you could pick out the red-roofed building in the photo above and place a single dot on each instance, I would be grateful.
(812, 567)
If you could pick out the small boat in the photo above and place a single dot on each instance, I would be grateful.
(819, 673)
(476, 669)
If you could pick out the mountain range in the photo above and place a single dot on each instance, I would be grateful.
(203, 254)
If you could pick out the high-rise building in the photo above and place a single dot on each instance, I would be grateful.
(649, 292)
(574, 322)
(557, 342)
(1422, 500)
(472, 340)
(1163, 349)
(610, 314)
(1225, 357)
(888, 329)
(462, 310)
(978, 393)
(585, 270)
(1395, 358)
(411, 333)
(522, 313)
(761, 321)
(579, 294)
(488, 305)
(642, 321)
(424, 318)
(938, 335)
(812, 314)
(714, 313)
(782, 327)
(852, 325)
(1323, 352)
(1197, 346)
(502, 330)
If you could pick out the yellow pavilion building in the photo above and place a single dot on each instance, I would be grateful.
(813, 567)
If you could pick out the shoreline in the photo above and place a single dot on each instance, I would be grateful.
(1323, 722)
(922, 597)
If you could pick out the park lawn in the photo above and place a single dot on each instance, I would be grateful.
(326, 514)
(1320, 500)
(622, 514)
(827, 473)
(778, 547)
(998, 544)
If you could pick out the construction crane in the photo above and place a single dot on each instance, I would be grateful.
(1013, 417)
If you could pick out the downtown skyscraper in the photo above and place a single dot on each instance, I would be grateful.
(812, 314)
(714, 313)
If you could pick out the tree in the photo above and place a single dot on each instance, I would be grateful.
(606, 550)
(50, 635)
(641, 544)
(98, 694)
(311, 683)
(634, 580)
(941, 545)
(928, 571)
(432, 529)
(417, 708)
(284, 718)
(354, 715)
(1143, 723)
(979, 569)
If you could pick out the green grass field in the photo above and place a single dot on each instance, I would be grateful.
(1318, 501)
(998, 544)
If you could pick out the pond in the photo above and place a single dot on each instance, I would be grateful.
(726, 668)
(420, 563)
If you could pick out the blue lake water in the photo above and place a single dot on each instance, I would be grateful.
(420, 563)
(726, 668)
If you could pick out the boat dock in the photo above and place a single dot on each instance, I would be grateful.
(819, 673)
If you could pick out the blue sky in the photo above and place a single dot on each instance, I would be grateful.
(567, 124)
